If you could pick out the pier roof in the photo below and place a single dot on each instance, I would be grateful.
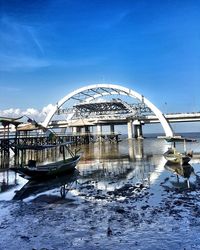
(31, 127)
(6, 121)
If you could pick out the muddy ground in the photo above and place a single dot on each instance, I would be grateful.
(162, 215)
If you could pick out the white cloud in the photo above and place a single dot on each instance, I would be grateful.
(38, 115)
(10, 112)
(47, 109)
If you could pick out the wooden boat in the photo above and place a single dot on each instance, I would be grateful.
(174, 156)
(38, 172)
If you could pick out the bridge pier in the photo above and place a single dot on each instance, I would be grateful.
(76, 130)
(99, 132)
(87, 129)
(87, 135)
(112, 128)
(130, 129)
(138, 129)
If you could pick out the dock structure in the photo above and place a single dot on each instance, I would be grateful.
(7, 139)
(15, 132)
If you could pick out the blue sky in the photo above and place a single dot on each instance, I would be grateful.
(51, 47)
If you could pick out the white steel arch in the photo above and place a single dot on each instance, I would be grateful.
(109, 89)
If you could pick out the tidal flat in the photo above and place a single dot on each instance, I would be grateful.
(117, 200)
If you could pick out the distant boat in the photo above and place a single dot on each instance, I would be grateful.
(174, 156)
(38, 172)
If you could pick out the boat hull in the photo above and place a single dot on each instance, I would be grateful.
(177, 159)
(174, 156)
(49, 170)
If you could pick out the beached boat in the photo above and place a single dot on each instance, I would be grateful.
(174, 156)
(34, 171)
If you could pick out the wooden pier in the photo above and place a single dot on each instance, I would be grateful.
(34, 134)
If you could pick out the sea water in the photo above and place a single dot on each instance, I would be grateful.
(124, 196)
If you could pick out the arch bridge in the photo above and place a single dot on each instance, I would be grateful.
(99, 104)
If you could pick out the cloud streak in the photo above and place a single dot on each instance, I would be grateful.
(112, 21)
(9, 89)
(11, 63)
(20, 46)
(22, 49)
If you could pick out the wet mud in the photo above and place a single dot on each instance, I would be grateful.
(132, 216)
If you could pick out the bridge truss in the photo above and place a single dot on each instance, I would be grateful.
(106, 110)
(91, 101)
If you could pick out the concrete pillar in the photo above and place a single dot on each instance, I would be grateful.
(138, 131)
(99, 132)
(74, 130)
(112, 128)
(87, 129)
(130, 129)
(99, 129)
(78, 130)
(87, 135)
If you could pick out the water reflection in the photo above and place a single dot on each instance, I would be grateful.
(106, 166)
(139, 149)
(4, 160)
(36, 187)
(111, 166)
(133, 149)
(184, 171)
(22, 157)
(7, 182)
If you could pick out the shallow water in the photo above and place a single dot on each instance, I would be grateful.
(124, 196)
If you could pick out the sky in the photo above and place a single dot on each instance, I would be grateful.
(49, 48)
